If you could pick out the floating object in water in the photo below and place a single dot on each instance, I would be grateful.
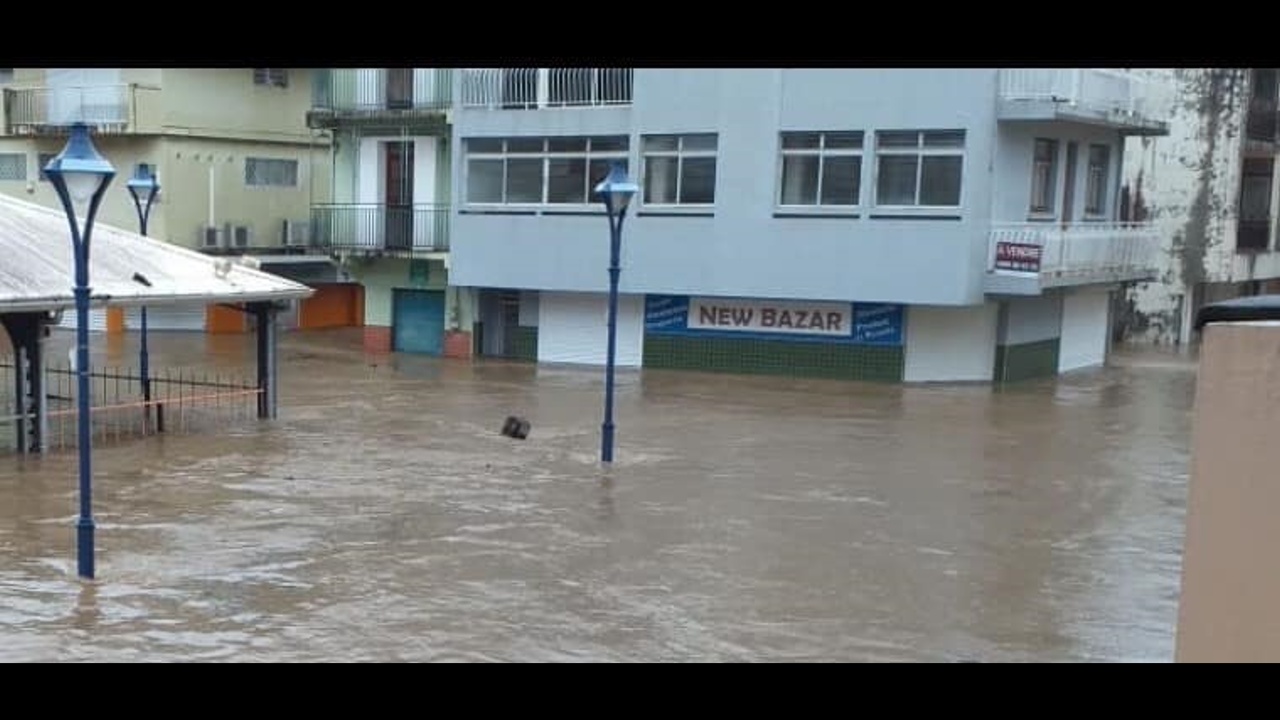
(516, 428)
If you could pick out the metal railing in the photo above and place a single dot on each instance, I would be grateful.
(182, 401)
(106, 107)
(1112, 250)
(532, 88)
(1098, 89)
(382, 89)
(381, 227)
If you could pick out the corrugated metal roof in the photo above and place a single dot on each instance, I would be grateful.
(37, 270)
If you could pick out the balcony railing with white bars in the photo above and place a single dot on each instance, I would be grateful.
(107, 108)
(408, 229)
(370, 90)
(1082, 252)
(532, 88)
(1112, 92)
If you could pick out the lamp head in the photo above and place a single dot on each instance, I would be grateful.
(616, 190)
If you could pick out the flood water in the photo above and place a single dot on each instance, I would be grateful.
(382, 517)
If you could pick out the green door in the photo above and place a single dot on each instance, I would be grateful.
(417, 321)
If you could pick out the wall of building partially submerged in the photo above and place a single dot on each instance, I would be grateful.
(1187, 184)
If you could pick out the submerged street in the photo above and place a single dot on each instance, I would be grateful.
(384, 518)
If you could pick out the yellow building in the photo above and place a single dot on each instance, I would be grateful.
(238, 167)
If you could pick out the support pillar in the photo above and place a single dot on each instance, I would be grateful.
(28, 332)
(264, 314)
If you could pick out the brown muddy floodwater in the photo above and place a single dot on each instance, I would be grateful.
(383, 518)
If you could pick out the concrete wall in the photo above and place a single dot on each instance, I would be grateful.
(226, 103)
(1189, 183)
(381, 276)
(950, 344)
(742, 249)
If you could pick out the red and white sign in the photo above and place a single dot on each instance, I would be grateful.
(1018, 257)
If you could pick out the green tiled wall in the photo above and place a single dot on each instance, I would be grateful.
(1026, 361)
(526, 344)
(774, 357)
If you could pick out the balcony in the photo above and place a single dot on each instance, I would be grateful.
(1110, 98)
(421, 96)
(105, 108)
(1026, 258)
(536, 88)
(405, 230)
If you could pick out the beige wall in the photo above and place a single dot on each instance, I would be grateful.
(225, 102)
(184, 170)
(190, 164)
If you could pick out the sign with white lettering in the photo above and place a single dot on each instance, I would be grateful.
(1018, 257)
(869, 324)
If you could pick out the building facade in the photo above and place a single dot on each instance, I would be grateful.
(1209, 187)
(897, 225)
(387, 221)
(238, 167)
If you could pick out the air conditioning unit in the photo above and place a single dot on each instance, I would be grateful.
(239, 236)
(211, 237)
(295, 233)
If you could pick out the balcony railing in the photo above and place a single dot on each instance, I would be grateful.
(532, 88)
(382, 89)
(1115, 94)
(381, 228)
(107, 108)
(1083, 252)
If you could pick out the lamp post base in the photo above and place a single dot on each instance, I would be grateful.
(606, 442)
(84, 547)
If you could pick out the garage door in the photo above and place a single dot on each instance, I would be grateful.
(167, 317)
(417, 322)
(332, 306)
(97, 319)
(1084, 330)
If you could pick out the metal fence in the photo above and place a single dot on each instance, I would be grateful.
(182, 401)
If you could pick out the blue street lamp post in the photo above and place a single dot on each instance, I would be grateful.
(616, 191)
(80, 176)
(144, 186)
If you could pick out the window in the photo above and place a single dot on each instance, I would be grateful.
(540, 171)
(271, 77)
(1044, 176)
(268, 172)
(680, 169)
(821, 168)
(1096, 180)
(43, 159)
(13, 166)
(919, 168)
(6, 75)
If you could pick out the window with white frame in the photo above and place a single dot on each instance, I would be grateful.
(6, 75)
(1044, 176)
(271, 77)
(270, 172)
(680, 169)
(919, 168)
(821, 169)
(1096, 180)
(13, 166)
(540, 171)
